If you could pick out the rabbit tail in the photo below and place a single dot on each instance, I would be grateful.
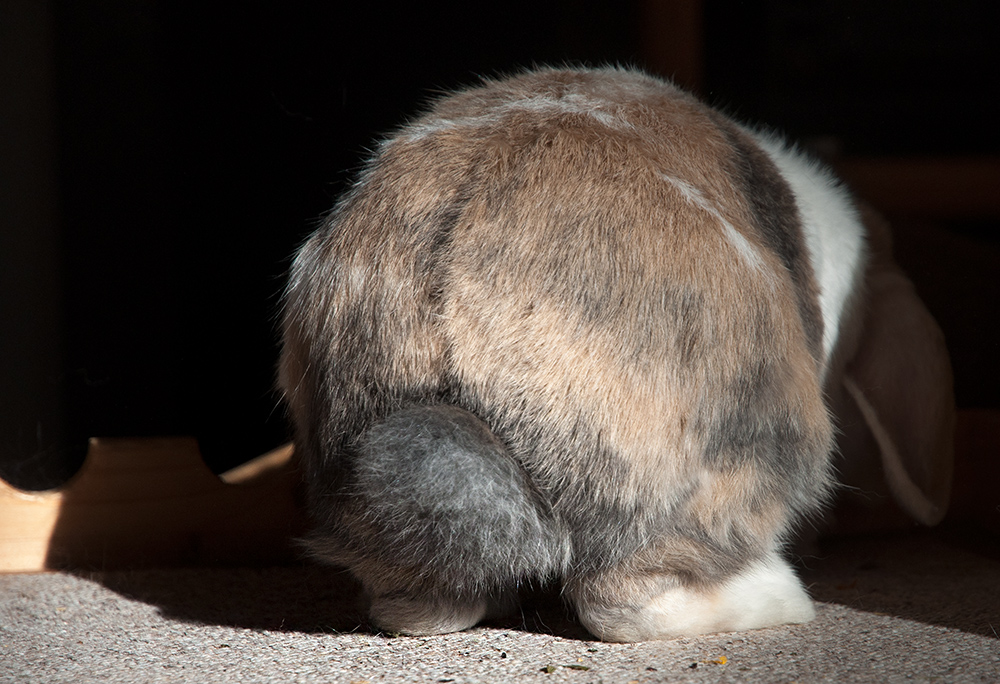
(447, 523)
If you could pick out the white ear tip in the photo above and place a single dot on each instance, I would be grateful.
(905, 491)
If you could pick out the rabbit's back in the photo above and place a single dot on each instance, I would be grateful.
(615, 279)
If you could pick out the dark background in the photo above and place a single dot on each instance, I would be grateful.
(163, 159)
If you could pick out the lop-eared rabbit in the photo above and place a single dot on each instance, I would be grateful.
(575, 326)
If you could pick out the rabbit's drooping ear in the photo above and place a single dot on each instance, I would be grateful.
(899, 380)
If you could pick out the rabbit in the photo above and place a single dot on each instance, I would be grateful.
(575, 326)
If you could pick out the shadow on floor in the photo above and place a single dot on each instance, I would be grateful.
(303, 598)
(944, 577)
(949, 577)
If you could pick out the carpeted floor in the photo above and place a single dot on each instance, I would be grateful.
(906, 607)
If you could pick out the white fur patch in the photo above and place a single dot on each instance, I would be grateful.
(695, 197)
(572, 103)
(833, 231)
(764, 595)
(421, 617)
(599, 109)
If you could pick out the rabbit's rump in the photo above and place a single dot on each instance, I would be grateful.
(567, 326)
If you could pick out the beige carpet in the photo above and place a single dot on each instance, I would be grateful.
(908, 607)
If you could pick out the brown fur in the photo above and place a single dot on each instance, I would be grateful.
(529, 262)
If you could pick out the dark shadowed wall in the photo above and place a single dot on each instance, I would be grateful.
(162, 160)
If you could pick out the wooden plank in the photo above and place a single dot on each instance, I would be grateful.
(153, 502)
(672, 45)
(975, 496)
(939, 187)
(144, 502)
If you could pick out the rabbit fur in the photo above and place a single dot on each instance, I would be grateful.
(573, 325)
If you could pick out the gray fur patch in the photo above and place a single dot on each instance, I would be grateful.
(439, 491)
